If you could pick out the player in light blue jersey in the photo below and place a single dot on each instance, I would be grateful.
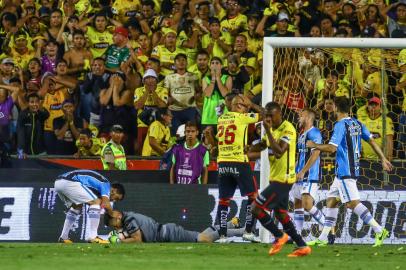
(346, 142)
(79, 187)
(308, 171)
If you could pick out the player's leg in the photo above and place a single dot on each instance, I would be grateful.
(177, 234)
(330, 215)
(282, 215)
(267, 200)
(298, 213)
(350, 196)
(248, 187)
(227, 186)
(309, 192)
(94, 219)
(211, 234)
(63, 188)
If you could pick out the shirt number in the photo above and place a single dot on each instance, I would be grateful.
(228, 132)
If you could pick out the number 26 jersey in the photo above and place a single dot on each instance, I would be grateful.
(232, 133)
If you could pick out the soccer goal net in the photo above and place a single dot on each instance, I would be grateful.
(310, 72)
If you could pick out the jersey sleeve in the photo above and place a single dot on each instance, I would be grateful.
(288, 134)
(315, 136)
(153, 130)
(338, 133)
(365, 134)
(131, 225)
(105, 189)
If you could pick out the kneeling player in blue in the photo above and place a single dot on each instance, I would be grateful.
(80, 187)
(133, 227)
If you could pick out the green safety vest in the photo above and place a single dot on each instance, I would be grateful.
(209, 116)
(120, 161)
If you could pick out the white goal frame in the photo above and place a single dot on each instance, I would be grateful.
(270, 43)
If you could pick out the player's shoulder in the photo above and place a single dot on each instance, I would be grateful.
(288, 126)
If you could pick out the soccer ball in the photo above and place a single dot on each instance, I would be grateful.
(121, 234)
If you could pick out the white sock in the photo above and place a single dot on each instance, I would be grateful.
(317, 215)
(367, 217)
(71, 216)
(94, 220)
(329, 222)
(298, 218)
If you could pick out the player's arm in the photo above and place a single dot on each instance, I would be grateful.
(135, 237)
(386, 165)
(256, 148)
(278, 147)
(105, 203)
(172, 174)
(329, 148)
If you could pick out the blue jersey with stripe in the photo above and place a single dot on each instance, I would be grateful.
(314, 173)
(347, 135)
(96, 182)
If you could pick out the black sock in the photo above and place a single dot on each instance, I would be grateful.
(249, 217)
(290, 229)
(222, 213)
(268, 224)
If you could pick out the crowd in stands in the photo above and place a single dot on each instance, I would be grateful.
(71, 70)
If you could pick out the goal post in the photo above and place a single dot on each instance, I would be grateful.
(271, 44)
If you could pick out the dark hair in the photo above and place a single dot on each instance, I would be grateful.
(86, 132)
(155, 60)
(32, 95)
(98, 15)
(160, 112)
(272, 106)
(202, 51)
(180, 55)
(342, 104)
(217, 59)
(61, 61)
(107, 218)
(231, 95)
(148, 3)
(99, 59)
(78, 32)
(191, 124)
(57, 10)
(214, 20)
(8, 16)
(120, 189)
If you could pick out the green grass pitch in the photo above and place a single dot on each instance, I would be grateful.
(195, 256)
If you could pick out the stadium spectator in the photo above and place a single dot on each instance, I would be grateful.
(190, 159)
(7, 70)
(232, 20)
(397, 23)
(52, 102)
(88, 145)
(117, 53)
(401, 86)
(215, 88)
(157, 140)
(147, 99)
(166, 53)
(216, 42)
(327, 26)
(98, 35)
(327, 119)
(78, 57)
(67, 128)
(237, 72)
(311, 64)
(21, 53)
(371, 117)
(188, 40)
(372, 21)
(183, 90)
(247, 59)
(201, 68)
(281, 29)
(117, 108)
(113, 154)
(6, 106)
(30, 128)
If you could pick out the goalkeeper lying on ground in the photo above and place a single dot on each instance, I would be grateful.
(132, 227)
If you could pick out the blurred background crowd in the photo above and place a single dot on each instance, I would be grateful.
(76, 75)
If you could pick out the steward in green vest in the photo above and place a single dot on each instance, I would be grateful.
(113, 154)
